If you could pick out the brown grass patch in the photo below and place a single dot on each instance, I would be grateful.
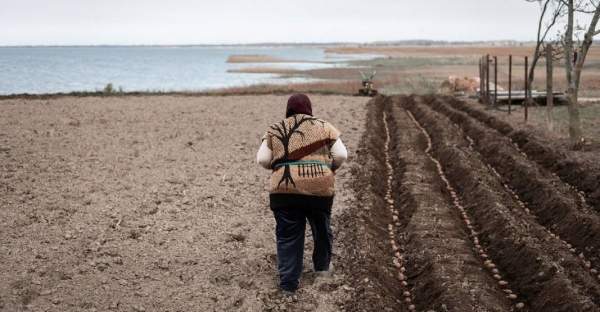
(260, 58)
(253, 58)
(447, 51)
(420, 51)
(589, 113)
(265, 70)
(321, 87)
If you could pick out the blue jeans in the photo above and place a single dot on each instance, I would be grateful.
(291, 213)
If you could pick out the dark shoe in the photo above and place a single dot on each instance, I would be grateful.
(287, 293)
(325, 274)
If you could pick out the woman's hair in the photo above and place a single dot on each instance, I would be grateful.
(298, 104)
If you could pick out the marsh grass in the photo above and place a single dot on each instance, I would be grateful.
(590, 119)
(418, 84)
(321, 87)
(589, 113)
(411, 62)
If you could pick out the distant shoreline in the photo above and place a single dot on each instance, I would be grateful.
(192, 70)
(288, 44)
(399, 70)
(263, 89)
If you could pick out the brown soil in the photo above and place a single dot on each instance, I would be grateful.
(556, 204)
(150, 203)
(444, 270)
(155, 203)
(504, 255)
(581, 171)
(368, 261)
(534, 260)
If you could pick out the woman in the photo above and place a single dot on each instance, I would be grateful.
(303, 152)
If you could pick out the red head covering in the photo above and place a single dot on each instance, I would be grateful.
(298, 104)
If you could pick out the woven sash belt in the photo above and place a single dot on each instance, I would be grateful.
(302, 162)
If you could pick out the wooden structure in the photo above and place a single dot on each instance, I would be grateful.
(518, 97)
(490, 95)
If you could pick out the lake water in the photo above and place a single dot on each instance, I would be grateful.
(188, 68)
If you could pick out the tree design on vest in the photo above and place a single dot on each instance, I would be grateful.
(283, 134)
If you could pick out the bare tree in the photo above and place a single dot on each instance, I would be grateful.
(549, 87)
(575, 55)
(573, 50)
(551, 11)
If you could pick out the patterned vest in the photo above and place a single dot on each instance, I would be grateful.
(301, 156)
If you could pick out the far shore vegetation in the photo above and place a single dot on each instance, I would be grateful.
(400, 70)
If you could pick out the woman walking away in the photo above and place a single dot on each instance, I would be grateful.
(303, 153)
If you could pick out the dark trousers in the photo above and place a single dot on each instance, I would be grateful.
(291, 213)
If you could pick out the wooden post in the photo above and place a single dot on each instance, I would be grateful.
(482, 82)
(509, 83)
(549, 87)
(487, 79)
(480, 79)
(526, 101)
(495, 81)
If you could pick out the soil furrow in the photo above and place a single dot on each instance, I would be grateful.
(537, 266)
(442, 268)
(550, 200)
(393, 226)
(371, 272)
(585, 265)
(582, 176)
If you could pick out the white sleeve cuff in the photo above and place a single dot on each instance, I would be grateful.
(339, 153)
(264, 155)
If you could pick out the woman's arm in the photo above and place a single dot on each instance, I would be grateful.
(264, 155)
(339, 153)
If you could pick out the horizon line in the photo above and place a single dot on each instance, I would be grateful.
(419, 42)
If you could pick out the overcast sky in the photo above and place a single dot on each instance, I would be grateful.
(60, 22)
